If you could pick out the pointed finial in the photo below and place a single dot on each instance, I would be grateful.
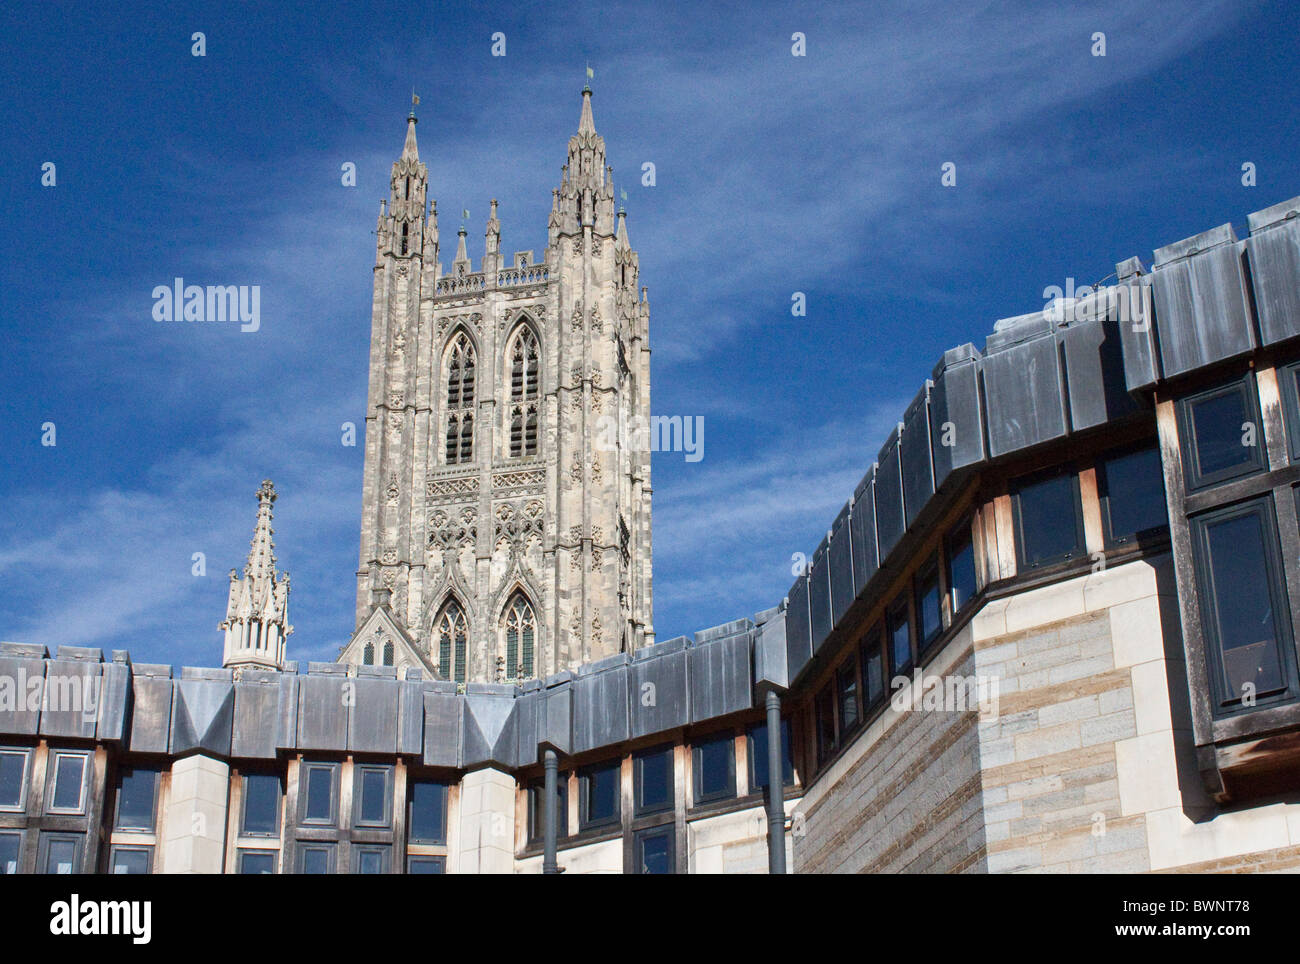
(410, 148)
(586, 125)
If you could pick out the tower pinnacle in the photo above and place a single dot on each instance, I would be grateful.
(256, 622)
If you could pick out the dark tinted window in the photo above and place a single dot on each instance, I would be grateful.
(600, 795)
(135, 799)
(11, 845)
(69, 773)
(824, 708)
(962, 584)
(873, 667)
(928, 612)
(846, 687)
(1048, 520)
(1222, 434)
(537, 810)
(1132, 490)
(129, 860)
(370, 860)
(900, 639)
(256, 862)
(13, 769)
(425, 865)
(61, 855)
(320, 795)
(654, 780)
(261, 803)
(758, 756)
(317, 860)
(372, 804)
(1244, 604)
(715, 768)
(429, 811)
(654, 851)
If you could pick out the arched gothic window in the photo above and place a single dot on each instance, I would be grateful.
(524, 392)
(450, 631)
(388, 653)
(460, 400)
(521, 633)
(368, 658)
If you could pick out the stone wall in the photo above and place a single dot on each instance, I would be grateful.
(904, 797)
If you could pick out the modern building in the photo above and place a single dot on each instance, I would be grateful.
(1054, 628)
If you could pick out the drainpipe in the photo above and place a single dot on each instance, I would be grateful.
(550, 814)
(775, 788)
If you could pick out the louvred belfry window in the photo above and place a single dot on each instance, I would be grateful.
(450, 631)
(460, 400)
(521, 632)
(524, 393)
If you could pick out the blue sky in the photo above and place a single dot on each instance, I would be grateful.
(775, 174)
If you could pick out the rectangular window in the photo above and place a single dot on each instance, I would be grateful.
(1049, 520)
(67, 791)
(130, 860)
(11, 851)
(653, 774)
(758, 757)
(261, 805)
(256, 861)
(13, 779)
(900, 638)
(369, 859)
(1220, 434)
(962, 583)
(824, 711)
(318, 785)
(600, 796)
(536, 809)
(316, 858)
(1244, 612)
(715, 768)
(137, 791)
(654, 850)
(60, 853)
(929, 611)
(873, 667)
(846, 694)
(426, 865)
(428, 814)
(1131, 487)
(372, 801)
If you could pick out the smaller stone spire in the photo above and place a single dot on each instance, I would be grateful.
(620, 239)
(257, 609)
(410, 149)
(462, 256)
(493, 231)
(586, 124)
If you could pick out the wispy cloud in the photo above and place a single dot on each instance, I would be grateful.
(773, 174)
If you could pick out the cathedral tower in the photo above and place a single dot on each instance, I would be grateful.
(506, 521)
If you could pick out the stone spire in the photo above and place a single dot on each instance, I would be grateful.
(257, 615)
(410, 150)
(586, 124)
(586, 192)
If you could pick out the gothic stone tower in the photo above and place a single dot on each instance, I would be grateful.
(506, 523)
